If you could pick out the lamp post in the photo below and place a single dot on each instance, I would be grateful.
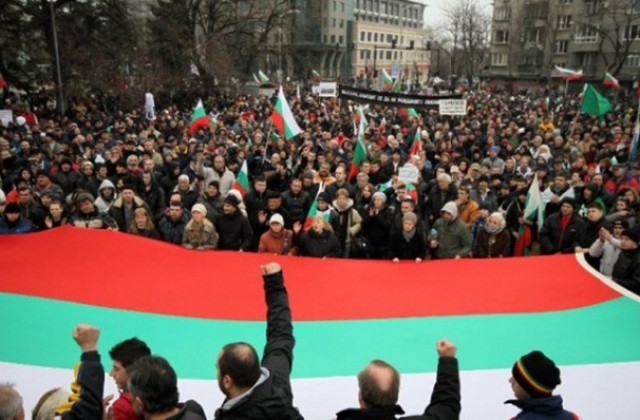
(62, 106)
(281, 17)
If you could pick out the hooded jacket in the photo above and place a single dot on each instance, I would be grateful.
(100, 202)
(118, 212)
(454, 238)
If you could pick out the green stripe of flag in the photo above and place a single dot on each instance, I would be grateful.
(37, 331)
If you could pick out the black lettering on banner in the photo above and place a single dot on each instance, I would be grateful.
(393, 99)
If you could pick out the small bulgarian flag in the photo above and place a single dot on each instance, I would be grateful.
(283, 119)
(387, 80)
(360, 153)
(241, 182)
(3, 82)
(199, 118)
(274, 137)
(360, 117)
(416, 145)
(313, 210)
(409, 112)
(609, 80)
(568, 74)
(263, 77)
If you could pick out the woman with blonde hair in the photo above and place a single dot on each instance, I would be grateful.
(319, 241)
(142, 225)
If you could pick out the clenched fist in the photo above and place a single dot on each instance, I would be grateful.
(446, 348)
(86, 336)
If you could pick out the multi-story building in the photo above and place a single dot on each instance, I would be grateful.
(531, 37)
(352, 37)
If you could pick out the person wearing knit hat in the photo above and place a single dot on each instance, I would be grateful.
(231, 200)
(199, 232)
(533, 378)
(408, 243)
(379, 194)
(13, 222)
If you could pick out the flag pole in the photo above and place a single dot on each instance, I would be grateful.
(566, 86)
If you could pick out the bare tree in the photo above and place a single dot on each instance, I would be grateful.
(612, 22)
(468, 27)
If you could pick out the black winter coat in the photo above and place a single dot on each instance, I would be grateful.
(273, 398)
(297, 205)
(444, 405)
(377, 228)
(403, 250)
(553, 239)
(321, 245)
(626, 270)
(172, 231)
(235, 232)
(542, 409)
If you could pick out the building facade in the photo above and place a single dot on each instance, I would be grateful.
(351, 38)
(531, 37)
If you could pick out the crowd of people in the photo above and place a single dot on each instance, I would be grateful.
(260, 389)
(304, 196)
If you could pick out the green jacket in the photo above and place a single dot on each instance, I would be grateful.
(453, 238)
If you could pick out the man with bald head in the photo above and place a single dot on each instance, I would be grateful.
(254, 389)
(379, 386)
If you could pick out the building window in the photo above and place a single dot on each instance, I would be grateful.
(593, 6)
(368, 36)
(631, 33)
(362, 36)
(502, 13)
(501, 37)
(335, 5)
(362, 54)
(563, 22)
(324, 39)
(561, 47)
(340, 39)
(587, 34)
(401, 55)
(342, 7)
(499, 60)
(388, 55)
(395, 55)
(333, 39)
(565, 1)
(632, 60)
(375, 37)
(333, 23)
(536, 35)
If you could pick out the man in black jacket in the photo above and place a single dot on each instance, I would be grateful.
(257, 390)
(379, 385)
(233, 227)
(626, 271)
(562, 230)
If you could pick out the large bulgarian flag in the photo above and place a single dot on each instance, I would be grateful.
(241, 183)
(199, 118)
(283, 118)
(346, 313)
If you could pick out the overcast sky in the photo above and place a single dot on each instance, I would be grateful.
(434, 14)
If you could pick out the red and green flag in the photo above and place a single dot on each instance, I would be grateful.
(283, 118)
(313, 210)
(568, 74)
(495, 310)
(241, 183)
(199, 118)
(416, 144)
(3, 82)
(609, 80)
(359, 155)
(409, 112)
(387, 80)
(593, 103)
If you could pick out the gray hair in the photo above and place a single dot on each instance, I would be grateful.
(363, 176)
(444, 177)
(500, 217)
(10, 402)
(183, 177)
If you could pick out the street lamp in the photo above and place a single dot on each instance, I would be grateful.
(281, 17)
(62, 106)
